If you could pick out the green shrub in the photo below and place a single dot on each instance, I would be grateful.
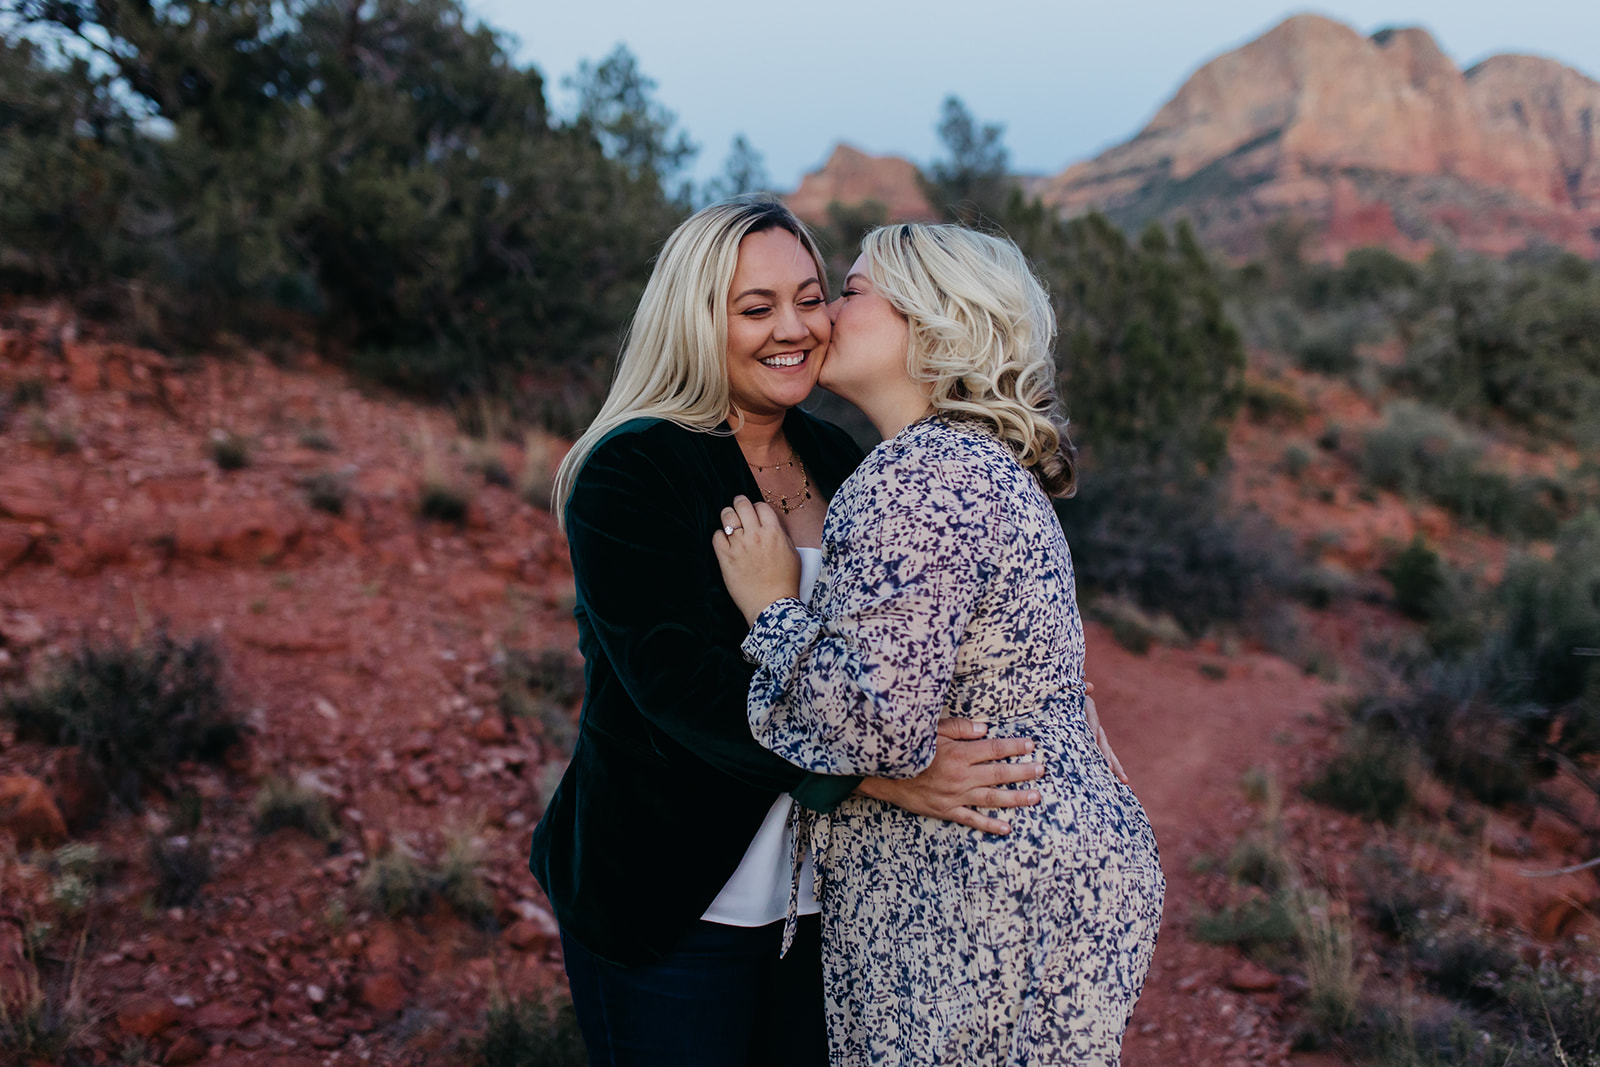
(229, 451)
(137, 710)
(286, 804)
(182, 866)
(397, 882)
(542, 687)
(1417, 576)
(443, 501)
(1166, 539)
(1265, 402)
(1369, 777)
(1328, 351)
(536, 1032)
(1257, 924)
(326, 491)
(1423, 453)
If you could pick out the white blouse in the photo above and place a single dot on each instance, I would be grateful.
(758, 892)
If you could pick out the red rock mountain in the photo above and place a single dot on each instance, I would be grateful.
(852, 177)
(1376, 139)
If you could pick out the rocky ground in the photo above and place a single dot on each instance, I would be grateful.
(416, 673)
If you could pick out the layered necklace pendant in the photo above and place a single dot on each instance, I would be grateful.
(785, 502)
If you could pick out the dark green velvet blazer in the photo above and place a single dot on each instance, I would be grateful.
(666, 787)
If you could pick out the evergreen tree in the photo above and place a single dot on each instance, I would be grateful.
(972, 183)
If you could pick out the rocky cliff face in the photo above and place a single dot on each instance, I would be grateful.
(853, 178)
(1374, 140)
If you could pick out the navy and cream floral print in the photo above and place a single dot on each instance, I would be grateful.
(947, 590)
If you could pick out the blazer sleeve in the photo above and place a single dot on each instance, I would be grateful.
(860, 690)
(655, 615)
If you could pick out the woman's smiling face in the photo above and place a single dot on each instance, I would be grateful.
(870, 340)
(778, 326)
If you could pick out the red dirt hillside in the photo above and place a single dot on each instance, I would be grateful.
(369, 654)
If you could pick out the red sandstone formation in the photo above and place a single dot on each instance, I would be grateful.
(854, 178)
(1375, 140)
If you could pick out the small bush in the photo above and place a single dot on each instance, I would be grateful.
(316, 439)
(75, 870)
(459, 880)
(537, 480)
(136, 710)
(53, 435)
(1296, 461)
(182, 866)
(1257, 924)
(1467, 964)
(542, 687)
(30, 393)
(229, 451)
(283, 804)
(395, 883)
(538, 1032)
(1165, 539)
(398, 883)
(1331, 352)
(1327, 940)
(326, 491)
(1369, 777)
(1265, 402)
(443, 501)
(1418, 580)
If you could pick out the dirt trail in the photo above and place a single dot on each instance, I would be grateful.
(1186, 737)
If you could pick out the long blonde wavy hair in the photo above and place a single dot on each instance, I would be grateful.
(674, 362)
(981, 330)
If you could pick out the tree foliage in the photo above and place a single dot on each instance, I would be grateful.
(973, 183)
(382, 169)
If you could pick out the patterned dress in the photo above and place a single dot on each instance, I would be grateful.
(947, 590)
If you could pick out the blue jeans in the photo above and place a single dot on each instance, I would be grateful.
(721, 999)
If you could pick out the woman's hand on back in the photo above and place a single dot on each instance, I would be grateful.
(967, 773)
(759, 563)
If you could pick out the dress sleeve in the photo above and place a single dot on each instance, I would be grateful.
(859, 690)
(655, 616)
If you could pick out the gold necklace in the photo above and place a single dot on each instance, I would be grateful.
(781, 502)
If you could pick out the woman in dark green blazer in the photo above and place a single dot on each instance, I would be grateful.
(667, 790)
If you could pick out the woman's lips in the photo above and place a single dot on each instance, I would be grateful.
(784, 360)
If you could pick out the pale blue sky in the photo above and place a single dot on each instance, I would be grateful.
(1066, 79)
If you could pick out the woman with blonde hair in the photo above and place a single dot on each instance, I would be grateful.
(666, 850)
(947, 593)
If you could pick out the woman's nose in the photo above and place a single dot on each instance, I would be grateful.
(791, 325)
(833, 309)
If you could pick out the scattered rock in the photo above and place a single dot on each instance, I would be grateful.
(220, 1015)
(15, 541)
(188, 1048)
(383, 992)
(28, 813)
(21, 630)
(147, 1016)
(383, 948)
(1250, 977)
(525, 936)
(28, 497)
(80, 793)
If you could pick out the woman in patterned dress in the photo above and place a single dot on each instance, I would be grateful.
(671, 938)
(947, 591)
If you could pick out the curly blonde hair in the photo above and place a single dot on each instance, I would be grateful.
(981, 330)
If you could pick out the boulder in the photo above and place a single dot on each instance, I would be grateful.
(28, 813)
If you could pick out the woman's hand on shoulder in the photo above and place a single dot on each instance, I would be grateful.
(759, 563)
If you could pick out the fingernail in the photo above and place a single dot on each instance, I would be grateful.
(1027, 746)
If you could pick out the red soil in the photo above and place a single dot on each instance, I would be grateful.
(362, 649)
